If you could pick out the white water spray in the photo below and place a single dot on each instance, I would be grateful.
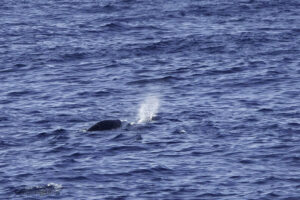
(148, 109)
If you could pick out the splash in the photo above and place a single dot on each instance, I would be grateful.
(148, 109)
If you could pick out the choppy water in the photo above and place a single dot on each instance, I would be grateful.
(224, 75)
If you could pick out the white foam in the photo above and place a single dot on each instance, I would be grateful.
(148, 109)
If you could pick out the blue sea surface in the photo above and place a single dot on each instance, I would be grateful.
(220, 78)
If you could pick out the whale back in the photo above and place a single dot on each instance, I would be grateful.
(106, 125)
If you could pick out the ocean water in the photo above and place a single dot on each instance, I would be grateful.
(208, 91)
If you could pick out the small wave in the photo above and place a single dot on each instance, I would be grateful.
(225, 71)
(126, 149)
(96, 8)
(5, 144)
(60, 130)
(118, 137)
(211, 195)
(43, 135)
(59, 149)
(114, 27)
(268, 179)
(295, 115)
(179, 131)
(123, 137)
(73, 178)
(156, 169)
(6, 101)
(165, 79)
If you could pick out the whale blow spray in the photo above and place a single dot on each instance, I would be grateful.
(148, 109)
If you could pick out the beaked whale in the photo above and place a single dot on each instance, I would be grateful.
(106, 125)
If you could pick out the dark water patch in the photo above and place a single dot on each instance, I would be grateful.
(225, 71)
(204, 10)
(43, 121)
(265, 110)
(292, 160)
(212, 195)
(254, 82)
(271, 126)
(43, 135)
(204, 153)
(110, 66)
(201, 115)
(265, 180)
(59, 131)
(125, 149)
(60, 149)
(115, 26)
(35, 112)
(97, 7)
(281, 146)
(58, 138)
(95, 94)
(6, 101)
(246, 161)
(281, 52)
(4, 144)
(271, 195)
(256, 63)
(76, 119)
(77, 155)
(20, 65)
(291, 198)
(267, 156)
(165, 79)
(290, 114)
(251, 119)
(176, 45)
(291, 94)
(250, 103)
(24, 175)
(124, 137)
(174, 119)
(253, 38)
(3, 71)
(74, 56)
(151, 171)
(294, 124)
(73, 178)
(119, 137)
(3, 118)
(214, 94)
(21, 93)
(65, 163)
(289, 130)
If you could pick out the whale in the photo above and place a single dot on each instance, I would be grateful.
(106, 125)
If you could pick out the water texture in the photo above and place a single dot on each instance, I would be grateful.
(223, 78)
